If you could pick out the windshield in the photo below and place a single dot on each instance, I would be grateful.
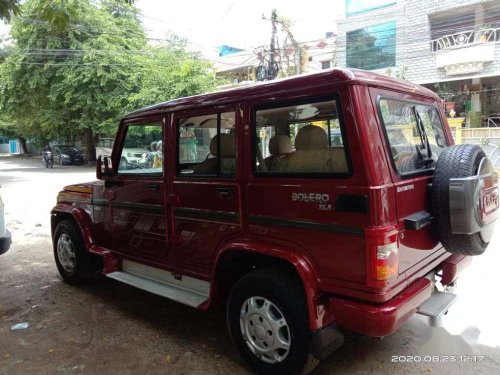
(67, 149)
(415, 134)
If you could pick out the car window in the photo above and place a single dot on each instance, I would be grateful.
(67, 149)
(407, 139)
(207, 145)
(306, 138)
(142, 150)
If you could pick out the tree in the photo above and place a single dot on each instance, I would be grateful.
(8, 8)
(170, 72)
(71, 76)
(74, 71)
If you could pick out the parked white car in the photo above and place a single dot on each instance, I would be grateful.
(5, 239)
(133, 153)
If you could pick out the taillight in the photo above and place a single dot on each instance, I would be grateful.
(381, 255)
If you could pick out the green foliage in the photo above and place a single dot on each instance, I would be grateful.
(475, 119)
(8, 8)
(444, 90)
(77, 66)
(172, 72)
(398, 72)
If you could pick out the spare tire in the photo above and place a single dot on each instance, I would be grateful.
(459, 162)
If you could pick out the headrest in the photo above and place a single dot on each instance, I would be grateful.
(280, 145)
(311, 137)
(227, 145)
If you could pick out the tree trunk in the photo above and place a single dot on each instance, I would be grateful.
(89, 143)
(24, 147)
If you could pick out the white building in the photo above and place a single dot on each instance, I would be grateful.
(450, 46)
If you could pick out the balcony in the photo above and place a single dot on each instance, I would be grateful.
(465, 52)
(466, 38)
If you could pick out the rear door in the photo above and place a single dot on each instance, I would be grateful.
(137, 195)
(403, 118)
(304, 192)
(205, 191)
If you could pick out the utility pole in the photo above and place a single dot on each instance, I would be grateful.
(272, 72)
(270, 67)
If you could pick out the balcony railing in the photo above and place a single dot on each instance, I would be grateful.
(464, 38)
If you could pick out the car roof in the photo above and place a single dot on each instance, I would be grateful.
(335, 75)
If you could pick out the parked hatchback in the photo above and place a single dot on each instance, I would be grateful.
(67, 155)
(309, 207)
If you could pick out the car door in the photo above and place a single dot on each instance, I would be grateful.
(205, 189)
(137, 195)
(406, 121)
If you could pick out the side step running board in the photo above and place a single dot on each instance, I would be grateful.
(437, 304)
(188, 291)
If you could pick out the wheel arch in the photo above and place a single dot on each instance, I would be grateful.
(78, 216)
(237, 259)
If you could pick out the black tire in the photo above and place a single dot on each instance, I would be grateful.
(455, 161)
(286, 293)
(84, 265)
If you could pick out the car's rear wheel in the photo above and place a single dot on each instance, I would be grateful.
(73, 261)
(267, 319)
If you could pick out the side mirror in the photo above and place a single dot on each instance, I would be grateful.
(103, 168)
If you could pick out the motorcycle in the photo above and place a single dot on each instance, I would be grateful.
(48, 159)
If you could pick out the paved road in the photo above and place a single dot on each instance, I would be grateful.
(110, 328)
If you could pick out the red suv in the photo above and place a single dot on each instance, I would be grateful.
(310, 206)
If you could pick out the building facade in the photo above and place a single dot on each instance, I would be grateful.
(450, 46)
(242, 67)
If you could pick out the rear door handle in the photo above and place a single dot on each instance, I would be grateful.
(154, 187)
(224, 192)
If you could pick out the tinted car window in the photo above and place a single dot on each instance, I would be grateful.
(408, 127)
(306, 138)
(207, 145)
(142, 151)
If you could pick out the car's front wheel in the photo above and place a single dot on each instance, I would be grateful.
(268, 323)
(73, 261)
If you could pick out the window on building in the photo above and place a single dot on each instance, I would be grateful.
(373, 47)
(326, 64)
(305, 138)
(207, 145)
(359, 6)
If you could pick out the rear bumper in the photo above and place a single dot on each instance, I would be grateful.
(381, 319)
(453, 266)
(5, 242)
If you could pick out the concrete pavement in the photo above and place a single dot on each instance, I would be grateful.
(107, 327)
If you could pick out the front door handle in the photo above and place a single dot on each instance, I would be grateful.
(224, 192)
(154, 187)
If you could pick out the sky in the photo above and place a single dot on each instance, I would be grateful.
(209, 24)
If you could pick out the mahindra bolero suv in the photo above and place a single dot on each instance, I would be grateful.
(309, 206)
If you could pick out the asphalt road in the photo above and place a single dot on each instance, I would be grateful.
(110, 328)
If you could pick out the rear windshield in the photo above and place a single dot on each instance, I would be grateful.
(412, 129)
